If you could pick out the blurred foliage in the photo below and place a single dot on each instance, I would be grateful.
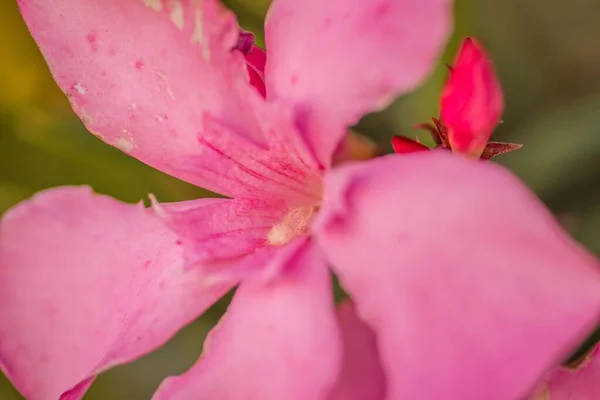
(547, 56)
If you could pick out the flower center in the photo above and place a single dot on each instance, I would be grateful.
(292, 225)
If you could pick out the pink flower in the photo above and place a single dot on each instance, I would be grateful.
(448, 302)
(579, 382)
(471, 106)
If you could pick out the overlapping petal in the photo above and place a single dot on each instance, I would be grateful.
(471, 286)
(142, 75)
(581, 382)
(87, 282)
(278, 340)
(338, 60)
(361, 377)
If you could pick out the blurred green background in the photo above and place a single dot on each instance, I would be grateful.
(547, 53)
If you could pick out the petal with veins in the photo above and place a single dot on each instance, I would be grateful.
(87, 282)
(338, 60)
(142, 74)
(278, 340)
(284, 170)
(473, 289)
(217, 231)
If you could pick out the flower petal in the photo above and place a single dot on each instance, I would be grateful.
(338, 60)
(142, 74)
(284, 169)
(362, 376)
(277, 341)
(87, 282)
(216, 233)
(472, 100)
(472, 287)
(579, 383)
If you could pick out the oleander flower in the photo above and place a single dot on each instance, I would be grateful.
(476, 299)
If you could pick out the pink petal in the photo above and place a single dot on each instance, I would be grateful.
(472, 100)
(338, 60)
(277, 341)
(142, 75)
(362, 377)
(283, 170)
(216, 233)
(472, 287)
(579, 383)
(86, 283)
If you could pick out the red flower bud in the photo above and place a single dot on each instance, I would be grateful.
(472, 100)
